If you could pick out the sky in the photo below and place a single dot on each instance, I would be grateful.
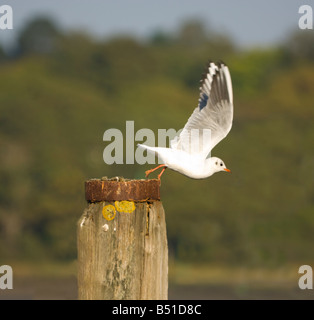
(249, 23)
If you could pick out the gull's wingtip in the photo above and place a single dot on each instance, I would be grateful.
(213, 71)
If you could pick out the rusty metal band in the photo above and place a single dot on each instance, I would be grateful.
(97, 190)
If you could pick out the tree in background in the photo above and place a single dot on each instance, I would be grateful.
(38, 37)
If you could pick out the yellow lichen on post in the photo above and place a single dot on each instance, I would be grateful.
(109, 212)
(125, 206)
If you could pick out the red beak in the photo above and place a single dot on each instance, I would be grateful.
(227, 170)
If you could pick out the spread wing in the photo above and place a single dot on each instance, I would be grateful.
(211, 121)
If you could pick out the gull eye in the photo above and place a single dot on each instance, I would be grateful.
(221, 164)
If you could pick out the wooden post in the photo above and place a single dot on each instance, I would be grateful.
(122, 241)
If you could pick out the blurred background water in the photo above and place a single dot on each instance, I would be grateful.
(69, 71)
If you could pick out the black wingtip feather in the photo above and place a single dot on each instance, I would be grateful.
(218, 89)
(219, 63)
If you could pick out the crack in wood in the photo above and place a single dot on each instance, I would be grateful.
(147, 220)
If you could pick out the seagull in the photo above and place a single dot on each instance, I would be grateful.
(210, 122)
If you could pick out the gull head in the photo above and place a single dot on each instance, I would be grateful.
(218, 165)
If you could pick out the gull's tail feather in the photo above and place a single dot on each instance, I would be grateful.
(143, 146)
(161, 153)
(152, 150)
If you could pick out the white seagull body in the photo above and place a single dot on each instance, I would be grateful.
(210, 122)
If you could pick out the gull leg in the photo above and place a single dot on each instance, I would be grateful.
(152, 170)
(162, 171)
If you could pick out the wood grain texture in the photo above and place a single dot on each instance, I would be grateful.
(125, 258)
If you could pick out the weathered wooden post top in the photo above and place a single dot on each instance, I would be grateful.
(122, 241)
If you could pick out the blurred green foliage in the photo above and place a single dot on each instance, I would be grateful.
(60, 92)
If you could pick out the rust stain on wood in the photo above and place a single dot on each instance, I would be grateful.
(118, 189)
